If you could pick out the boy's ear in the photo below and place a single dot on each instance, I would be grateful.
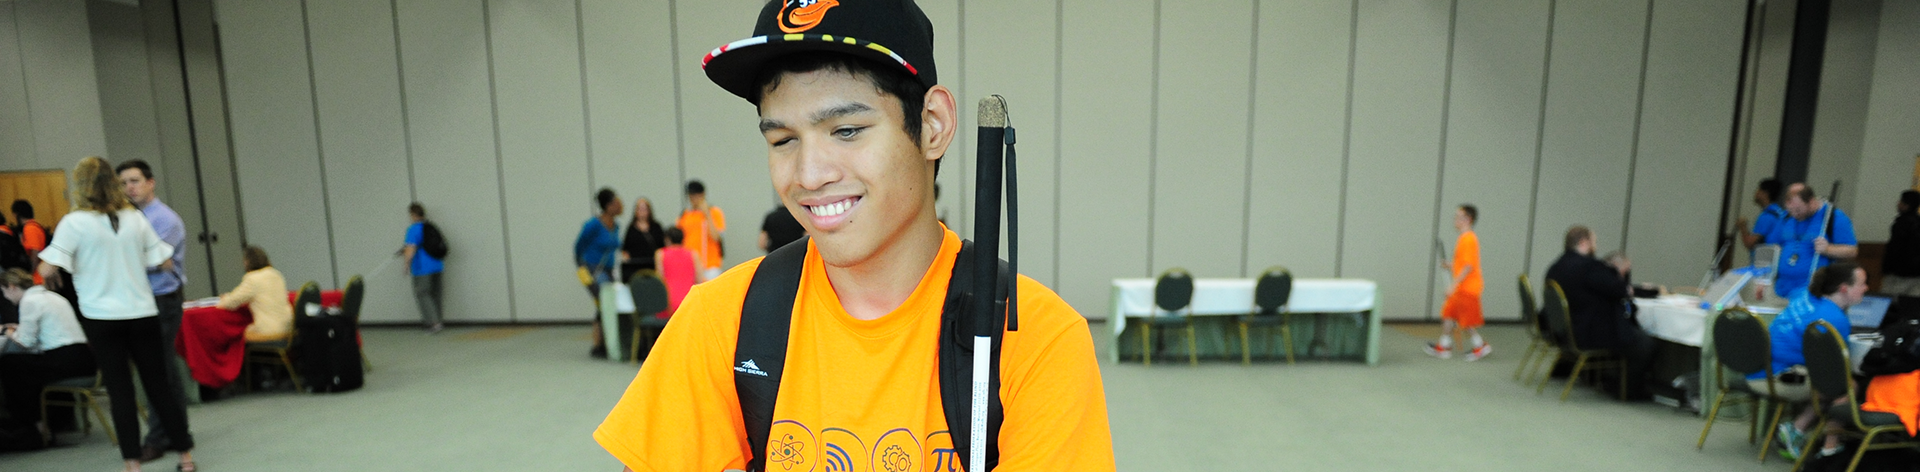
(938, 122)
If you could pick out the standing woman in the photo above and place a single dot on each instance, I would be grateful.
(644, 235)
(594, 254)
(107, 244)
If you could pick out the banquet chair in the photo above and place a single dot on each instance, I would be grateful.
(1560, 326)
(1538, 344)
(649, 299)
(1270, 295)
(85, 393)
(1831, 374)
(1744, 347)
(350, 299)
(1172, 293)
(280, 352)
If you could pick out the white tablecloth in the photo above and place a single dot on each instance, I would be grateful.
(1221, 297)
(1676, 318)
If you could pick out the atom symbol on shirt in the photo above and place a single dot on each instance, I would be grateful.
(786, 451)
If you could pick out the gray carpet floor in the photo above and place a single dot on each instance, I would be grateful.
(528, 398)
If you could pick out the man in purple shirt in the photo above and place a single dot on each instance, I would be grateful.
(136, 178)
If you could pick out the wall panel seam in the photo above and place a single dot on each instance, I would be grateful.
(1253, 103)
(499, 159)
(406, 125)
(1540, 133)
(26, 87)
(679, 113)
(1440, 173)
(1153, 137)
(1346, 142)
(1059, 123)
(1639, 111)
(319, 144)
(586, 108)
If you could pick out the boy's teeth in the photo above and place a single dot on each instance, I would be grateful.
(831, 209)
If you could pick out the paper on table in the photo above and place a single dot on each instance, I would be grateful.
(201, 303)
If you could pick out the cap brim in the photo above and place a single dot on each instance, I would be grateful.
(736, 65)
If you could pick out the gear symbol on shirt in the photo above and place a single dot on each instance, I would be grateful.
(786, 451)
(895, 459)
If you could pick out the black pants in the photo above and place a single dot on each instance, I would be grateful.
(115, 343)
(24, 375)
(170, 313)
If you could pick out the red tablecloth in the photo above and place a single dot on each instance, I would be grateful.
(213, 343)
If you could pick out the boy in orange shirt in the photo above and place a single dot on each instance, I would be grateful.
(703, 223)
(855, 125)
(1462, 309)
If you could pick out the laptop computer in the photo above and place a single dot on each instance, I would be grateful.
(1867, 315)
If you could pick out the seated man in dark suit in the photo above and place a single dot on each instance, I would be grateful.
(1597, 300)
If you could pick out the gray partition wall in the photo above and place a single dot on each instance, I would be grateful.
(1329, 136)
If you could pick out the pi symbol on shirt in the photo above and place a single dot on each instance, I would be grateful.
(897, 451)
(791, 446)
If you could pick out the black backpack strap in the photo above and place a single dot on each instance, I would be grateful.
(956, 359)
(760, 353)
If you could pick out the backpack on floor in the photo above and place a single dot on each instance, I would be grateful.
(328, 355)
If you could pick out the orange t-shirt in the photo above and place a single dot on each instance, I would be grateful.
(706, 248)
(1466, 256)
(1898, 394)
(34, 238)
(859, 394)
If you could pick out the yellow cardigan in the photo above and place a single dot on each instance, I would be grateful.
(264, 292)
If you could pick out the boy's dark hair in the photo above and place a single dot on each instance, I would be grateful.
(146, 171)
(1829, 279)
(675, 236)
(694, 187)
(1473, 212)
(1771, 187)
(416, 210)
(889, 80)
(22, 210)
(605, 197)
(1805, 193)
(1911, 199)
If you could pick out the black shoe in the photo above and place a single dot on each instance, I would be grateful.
(598, 352)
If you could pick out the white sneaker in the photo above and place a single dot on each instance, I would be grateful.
(1435, 350)
(1479, 352)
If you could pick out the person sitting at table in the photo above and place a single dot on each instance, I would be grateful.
(1835, 287)
(1597, 294)
(54, 347)
(676, 269)
(264, 292)
(1813, 234)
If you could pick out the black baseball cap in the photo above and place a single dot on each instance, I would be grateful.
(893, 32)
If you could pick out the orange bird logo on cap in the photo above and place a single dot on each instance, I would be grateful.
(801, 15)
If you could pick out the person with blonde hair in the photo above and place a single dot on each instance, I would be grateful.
(108, 245)
(262, 291)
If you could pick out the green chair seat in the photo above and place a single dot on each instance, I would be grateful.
(1867, 417)
(1264, 320)
(75, 382)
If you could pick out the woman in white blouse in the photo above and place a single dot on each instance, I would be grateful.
(54, 348)
(108, 246)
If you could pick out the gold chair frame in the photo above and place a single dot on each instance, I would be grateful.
(1584, 359)
(1539, 345)
(1286, 319)
(1853, 426)
(88, 398)
(1751, 398)
(264, 353)
(1146, 328)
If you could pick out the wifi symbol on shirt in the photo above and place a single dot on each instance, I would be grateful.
(837, 459)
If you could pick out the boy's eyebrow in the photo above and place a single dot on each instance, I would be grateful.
(768, 124)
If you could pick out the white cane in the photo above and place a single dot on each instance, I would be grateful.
(1824, 223)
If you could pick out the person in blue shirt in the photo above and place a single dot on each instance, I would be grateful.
(425, 270)
(1835, 288)
(136, 180)
(1767, 196)
(1813, 234)
(596, 252)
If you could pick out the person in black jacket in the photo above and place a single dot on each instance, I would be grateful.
(1597, 300)
(644, 236)
(1900, 264)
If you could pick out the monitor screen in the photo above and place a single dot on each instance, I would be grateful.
(1869, 312)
